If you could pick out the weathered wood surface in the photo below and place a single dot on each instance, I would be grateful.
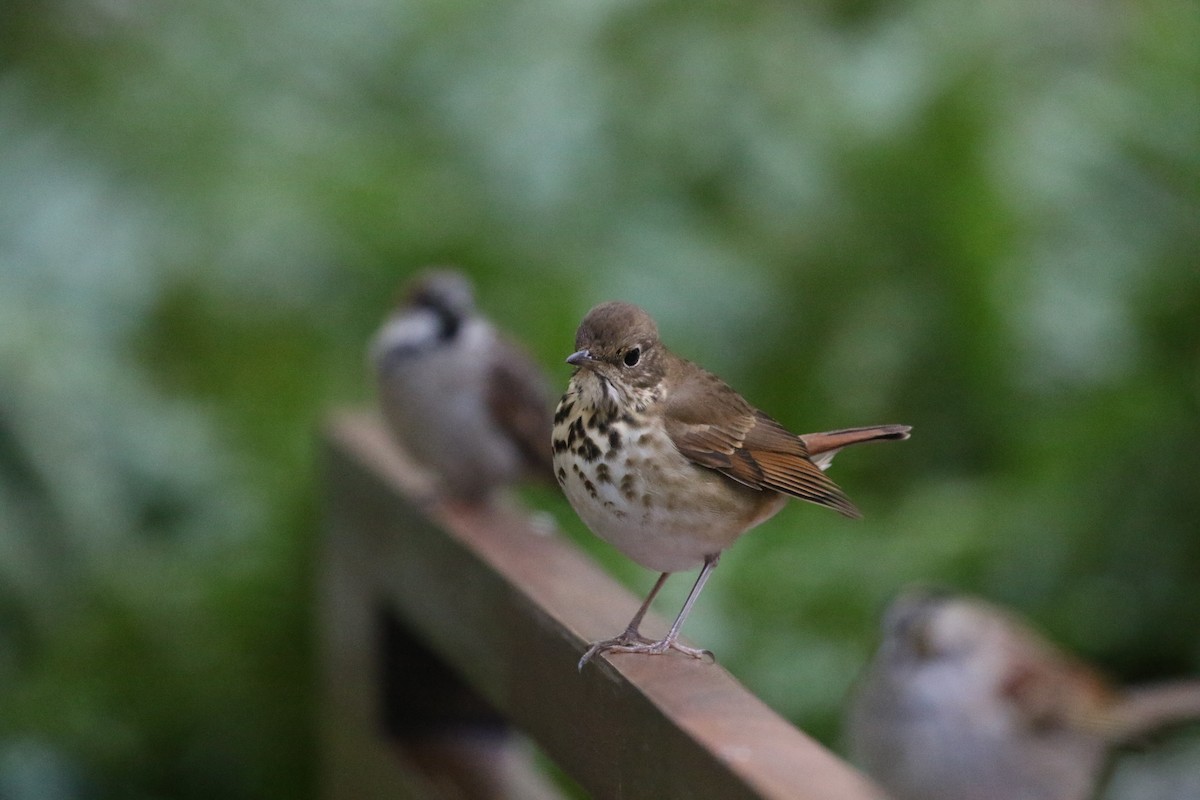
(511, 609)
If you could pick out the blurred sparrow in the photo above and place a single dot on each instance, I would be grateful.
(667, 463)
(458, 396)
(963, 701)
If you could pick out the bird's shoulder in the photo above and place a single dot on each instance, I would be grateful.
(702, 409)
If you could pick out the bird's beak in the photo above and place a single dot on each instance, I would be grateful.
(581, 358)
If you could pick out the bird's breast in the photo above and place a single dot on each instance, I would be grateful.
(634, 489)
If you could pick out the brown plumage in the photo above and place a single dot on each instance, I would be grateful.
(516, 400)
(715, 427)
(696, 464)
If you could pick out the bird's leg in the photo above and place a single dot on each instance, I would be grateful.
(631, 635)
(670, 640)
(631, 641)
(631, 631)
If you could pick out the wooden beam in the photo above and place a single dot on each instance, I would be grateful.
(511, 609)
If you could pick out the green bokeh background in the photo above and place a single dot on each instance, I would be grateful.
(979, 219)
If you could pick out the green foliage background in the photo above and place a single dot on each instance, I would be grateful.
(979, 219)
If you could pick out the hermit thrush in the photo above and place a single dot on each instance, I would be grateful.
(462, 399)
(670, 465)
(964, 701)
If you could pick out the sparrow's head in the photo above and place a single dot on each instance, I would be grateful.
(445, 291)
(432, 311)
(619, 343)
(928, 624)
(964, 642)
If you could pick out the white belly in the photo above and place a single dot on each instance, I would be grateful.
(659, 509)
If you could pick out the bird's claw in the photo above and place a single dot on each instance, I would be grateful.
(634, 642)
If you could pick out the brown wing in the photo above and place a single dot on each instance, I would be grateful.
(1051, 691)
(518, 397)
(712, 425)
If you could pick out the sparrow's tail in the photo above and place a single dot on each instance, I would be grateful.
(822, 447)
(1147, 708)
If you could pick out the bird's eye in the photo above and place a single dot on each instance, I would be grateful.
(632, 355)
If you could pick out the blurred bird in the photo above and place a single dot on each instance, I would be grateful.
(670, 465)
(963, 701)
(461, 398)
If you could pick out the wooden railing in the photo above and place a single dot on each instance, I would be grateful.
(439, 623)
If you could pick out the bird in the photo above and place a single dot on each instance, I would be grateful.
(669, 464)
(963, 700)
(464, 400)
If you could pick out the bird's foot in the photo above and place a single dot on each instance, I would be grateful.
(633, 642)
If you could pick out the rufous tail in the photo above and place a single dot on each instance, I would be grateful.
(822, 447)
